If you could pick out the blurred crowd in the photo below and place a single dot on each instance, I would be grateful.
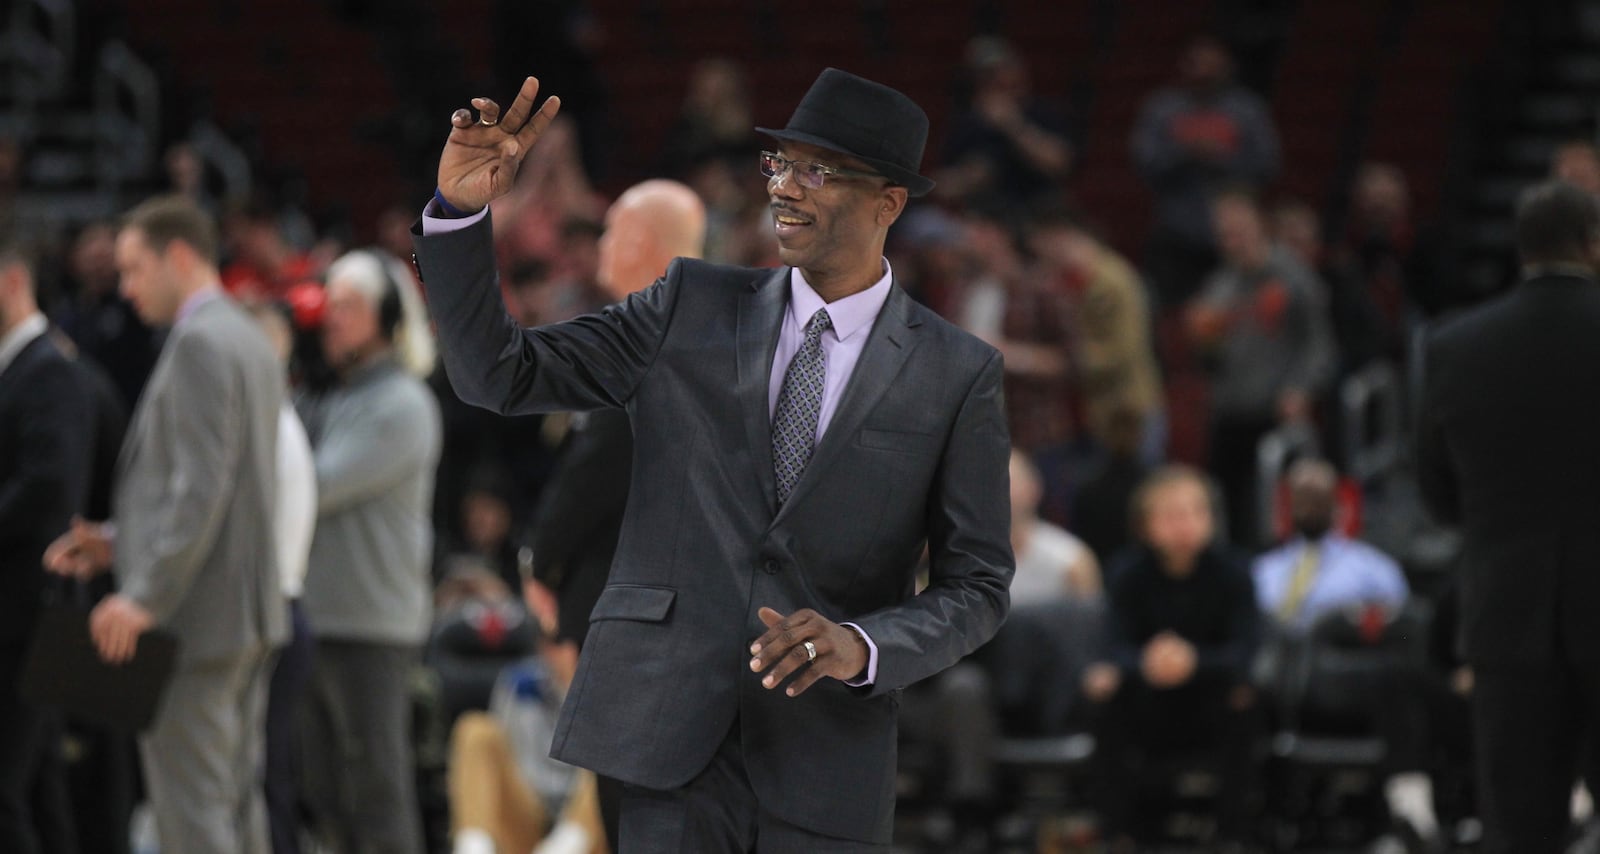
(1172, 592)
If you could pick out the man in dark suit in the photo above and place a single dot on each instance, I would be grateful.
(1507, 449)
(45, 445)
(799, 435)
(575, 535)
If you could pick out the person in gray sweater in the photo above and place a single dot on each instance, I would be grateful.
(375, 435)
(1262, 324)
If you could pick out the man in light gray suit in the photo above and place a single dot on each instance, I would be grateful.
(191, 540)
(800, 435)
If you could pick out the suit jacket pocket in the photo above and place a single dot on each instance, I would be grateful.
(634, 602)
(902, 441)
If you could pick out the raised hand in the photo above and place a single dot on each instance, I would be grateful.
(481, 157)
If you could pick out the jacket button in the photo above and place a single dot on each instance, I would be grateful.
(771, 566)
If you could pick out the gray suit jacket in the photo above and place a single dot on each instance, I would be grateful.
(916, 453)
(195, 488)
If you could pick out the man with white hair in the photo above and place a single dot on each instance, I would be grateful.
(375, 435)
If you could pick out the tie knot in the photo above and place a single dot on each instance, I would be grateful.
(819, 323)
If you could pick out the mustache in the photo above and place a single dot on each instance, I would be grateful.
(778, 208)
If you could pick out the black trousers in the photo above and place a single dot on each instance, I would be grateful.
(290, 675)
(1532, 722)
(717, 813)
(35, 816)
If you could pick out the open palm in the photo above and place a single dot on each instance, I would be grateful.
(481, 157)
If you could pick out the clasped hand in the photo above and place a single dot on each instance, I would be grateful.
(841, 652)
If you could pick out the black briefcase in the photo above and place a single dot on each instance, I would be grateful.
(64, 670)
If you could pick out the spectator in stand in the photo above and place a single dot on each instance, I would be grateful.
(486, 530)
(1190, 142)
(1101, 506)
(99, 320)
(295, 519)
(1262, 322)
(1029, 320)
(1358, 326)
(186, 176)
(265, 265)
(1319, 572)
(714, 121)
(375, 436)
(1380, 248)
(1183, 628)
(1005, 142)
(46, 443)
(506, 793)
(1116, 365)
(1052, 564)
(1505, 449)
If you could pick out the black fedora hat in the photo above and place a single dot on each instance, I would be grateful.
(869, 121)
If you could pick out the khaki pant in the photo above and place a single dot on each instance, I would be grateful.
(487, 791)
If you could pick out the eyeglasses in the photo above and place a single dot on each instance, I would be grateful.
(809, 175)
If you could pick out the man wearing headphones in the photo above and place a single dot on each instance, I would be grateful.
(375, 435)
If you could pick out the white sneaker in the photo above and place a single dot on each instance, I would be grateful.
(470, 840)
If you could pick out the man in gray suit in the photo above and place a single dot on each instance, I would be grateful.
(800, 435)
(191, 540)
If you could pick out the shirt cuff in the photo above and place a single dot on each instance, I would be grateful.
(872, 659)
(435, 222)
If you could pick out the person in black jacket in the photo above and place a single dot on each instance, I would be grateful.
(1182, 628)
(580, 517)
(1507, 449)
(45, 424)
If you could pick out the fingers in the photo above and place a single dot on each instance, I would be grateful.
(783, 649)
(521, 106)
(488, 111)
(777, 626)
(461, 118)
(530, 132)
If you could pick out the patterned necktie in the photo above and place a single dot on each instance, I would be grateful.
(1300, 579)
(794, 422)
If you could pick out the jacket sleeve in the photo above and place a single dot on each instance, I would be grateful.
(969, 549)
(203, 438)
(591, 362)
(53, 426)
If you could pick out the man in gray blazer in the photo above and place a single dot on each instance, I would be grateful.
(800, 435)
(191, 539)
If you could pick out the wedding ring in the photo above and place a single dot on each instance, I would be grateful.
(811, 651)
(488, 124)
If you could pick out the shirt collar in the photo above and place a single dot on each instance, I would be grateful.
(196, 300)
(21, 336)
(852, 315)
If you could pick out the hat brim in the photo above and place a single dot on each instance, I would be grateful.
(915, 184)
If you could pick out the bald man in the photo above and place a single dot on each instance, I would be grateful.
(580, 517)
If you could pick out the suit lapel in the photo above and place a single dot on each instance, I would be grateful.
(889, 344)
(760, 317)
